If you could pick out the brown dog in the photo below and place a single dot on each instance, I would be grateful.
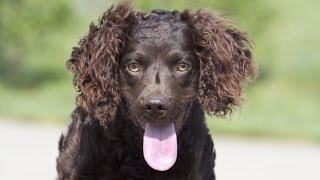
(144, 82)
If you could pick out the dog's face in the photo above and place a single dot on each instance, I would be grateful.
(159, 74)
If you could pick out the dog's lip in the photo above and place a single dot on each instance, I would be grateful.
(141, 122)
(142, 125)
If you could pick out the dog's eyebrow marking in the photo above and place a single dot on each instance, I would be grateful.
(157, 78)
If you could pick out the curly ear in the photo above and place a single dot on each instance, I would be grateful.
(94, 63)
(226, 62)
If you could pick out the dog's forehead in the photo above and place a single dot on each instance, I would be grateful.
(158, 26)
(152, 31)
(159, 34)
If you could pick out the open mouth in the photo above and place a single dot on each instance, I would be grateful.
(160, 145)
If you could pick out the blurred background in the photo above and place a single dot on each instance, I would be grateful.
(36, 38)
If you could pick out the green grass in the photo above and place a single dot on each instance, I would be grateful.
(49, 103)
(276, 111)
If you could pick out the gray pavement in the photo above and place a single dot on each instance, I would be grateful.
(29, 152)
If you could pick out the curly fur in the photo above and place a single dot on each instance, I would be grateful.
(99, 139)
(95, 62)
(225, 61)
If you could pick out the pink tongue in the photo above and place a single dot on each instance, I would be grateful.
(160, 146)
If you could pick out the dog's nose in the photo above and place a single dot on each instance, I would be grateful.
(156, 105)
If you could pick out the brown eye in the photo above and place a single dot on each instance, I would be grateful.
(182, 66)
(133, 66)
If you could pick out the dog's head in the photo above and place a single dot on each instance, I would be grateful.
(157, 64)
(159, 70)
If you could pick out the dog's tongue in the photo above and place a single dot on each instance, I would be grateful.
(160, 146)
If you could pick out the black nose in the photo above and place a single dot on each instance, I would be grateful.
(156, 105)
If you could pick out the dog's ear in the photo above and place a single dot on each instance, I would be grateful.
(95, 60)
(226, 62)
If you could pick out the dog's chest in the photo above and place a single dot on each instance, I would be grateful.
(128, 163)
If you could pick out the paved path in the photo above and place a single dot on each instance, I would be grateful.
(29, 152)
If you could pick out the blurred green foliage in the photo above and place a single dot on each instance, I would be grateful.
(25, 27)
(36, 38)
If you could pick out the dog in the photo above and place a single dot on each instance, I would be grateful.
(144, 82)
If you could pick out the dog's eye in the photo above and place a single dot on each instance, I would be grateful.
(133, 66)
(183, 66)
